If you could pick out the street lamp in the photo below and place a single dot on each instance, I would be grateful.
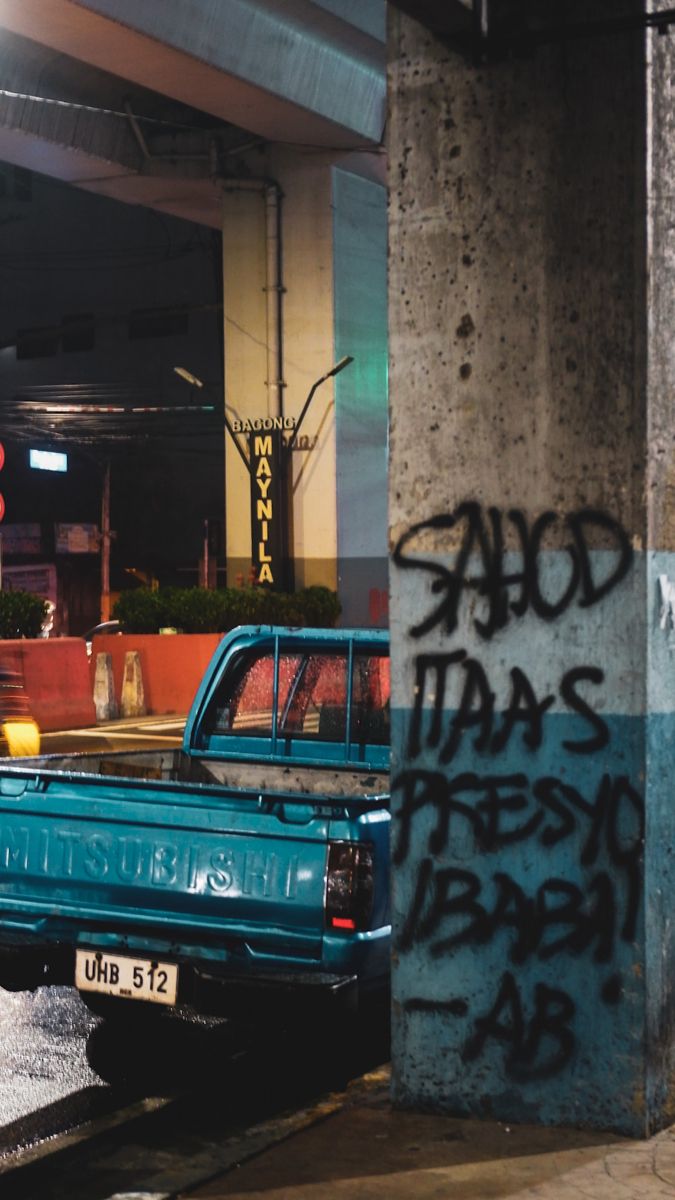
(339, 366)
(270, 536)
(195, 381)
(189, 377)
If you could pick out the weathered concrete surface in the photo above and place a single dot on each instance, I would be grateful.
(514, 257)
(534, 690)
(365, 1149)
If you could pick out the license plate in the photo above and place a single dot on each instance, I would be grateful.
(131, 978)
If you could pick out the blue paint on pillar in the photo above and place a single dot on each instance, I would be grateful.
(360, 293)
(526, 886)
(532, 840)
(659, 884)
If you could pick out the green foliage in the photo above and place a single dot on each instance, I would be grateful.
(198, 610)
(21, 614)
(194, 610)
(320, 606)
(140, 611)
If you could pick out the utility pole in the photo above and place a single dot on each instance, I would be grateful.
(204, 560)
(105, 545)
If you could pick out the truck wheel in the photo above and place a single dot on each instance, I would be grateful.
(113, 1008)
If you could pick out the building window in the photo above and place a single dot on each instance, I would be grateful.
(37, 343)
(77, 332)
(157, 322)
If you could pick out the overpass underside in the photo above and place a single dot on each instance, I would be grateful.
(209, 120)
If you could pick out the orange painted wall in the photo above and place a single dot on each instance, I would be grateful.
(57, 679)
(172, 665)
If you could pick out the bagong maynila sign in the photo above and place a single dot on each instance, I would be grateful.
(262, 424)
(268, 510)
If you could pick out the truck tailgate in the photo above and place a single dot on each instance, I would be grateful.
(162, 858)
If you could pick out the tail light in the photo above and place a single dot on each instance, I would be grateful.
(349, 886)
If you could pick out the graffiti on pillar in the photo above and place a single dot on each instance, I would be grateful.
(458, 719)
(483, 535)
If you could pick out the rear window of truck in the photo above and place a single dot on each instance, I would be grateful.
(312, 701)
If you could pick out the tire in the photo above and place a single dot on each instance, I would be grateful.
(114, 1008)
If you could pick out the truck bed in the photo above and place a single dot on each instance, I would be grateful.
(176, 766)
(124, 841)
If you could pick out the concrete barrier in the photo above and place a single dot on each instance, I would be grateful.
(104, 689)
(132, 703)
(172, 666)
(57, 679)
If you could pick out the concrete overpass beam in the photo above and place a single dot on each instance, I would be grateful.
(289, 72)
(66, 120)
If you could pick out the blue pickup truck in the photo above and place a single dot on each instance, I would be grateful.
(245, 873)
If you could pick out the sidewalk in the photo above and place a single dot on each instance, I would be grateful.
(365, 1150)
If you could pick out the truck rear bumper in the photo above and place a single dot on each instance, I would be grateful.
(26, 964)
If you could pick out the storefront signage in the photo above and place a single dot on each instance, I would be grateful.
(77, 539)
(22, 538)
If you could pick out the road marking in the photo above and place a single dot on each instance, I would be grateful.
(115, 733)
(140, 1196)
(166, 725)
(108, 730)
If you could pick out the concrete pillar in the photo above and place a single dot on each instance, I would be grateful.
(333, 274)
(533, 623)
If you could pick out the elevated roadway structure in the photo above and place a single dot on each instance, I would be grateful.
(264, 120)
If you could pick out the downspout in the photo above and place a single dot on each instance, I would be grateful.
(275, 379)
(271, 194)
(105, 544)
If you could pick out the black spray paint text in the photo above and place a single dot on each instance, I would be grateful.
(475, 708)
(455, 824)
(481, 564)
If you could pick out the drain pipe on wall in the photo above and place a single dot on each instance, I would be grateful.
(275, 375)
(271, 194)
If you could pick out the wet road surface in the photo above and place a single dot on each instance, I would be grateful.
(146, 733)
(43, 1062)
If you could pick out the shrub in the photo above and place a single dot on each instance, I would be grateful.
(21, 614)
(198, 610)
(140, 611)
(319, 606)
(194, 610)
